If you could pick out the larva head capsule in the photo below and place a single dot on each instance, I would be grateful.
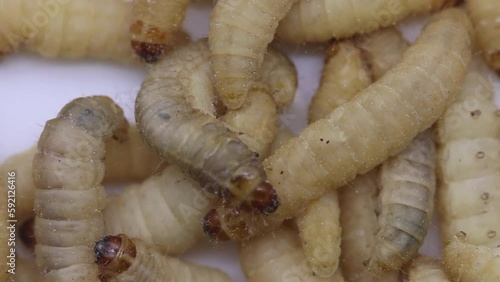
(114, 254)
(212, 226)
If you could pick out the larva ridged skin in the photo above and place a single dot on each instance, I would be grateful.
(382, 50)
(238, 35)
(390, 113)
(154, 26)
(425, 269)
(131, 160)
(4, 232)
(68, 28)
(407, 184)
(284, 134)
(358, 219)
(467, 262)
(344, 74)
(278, 256)
(124, 259)
(165, 211)
(67, 171)
(485, 15)
(321, 20)
(468, 164)
(206, 149)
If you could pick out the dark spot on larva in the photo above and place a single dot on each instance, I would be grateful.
(314, 274)
(27, 233)
(480, 155)
(148, 52)
(164, 116)
(475, 114)
(256, 154)
(485, 196)
(281, 172)
(327, 141)
(491, 234)
(463, 233)
(321, 139)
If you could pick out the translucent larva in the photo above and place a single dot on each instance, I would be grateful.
(278, 256)
(467, 262)
(485, 15)
(121, 258)
(358, 218)
(154, 26)
(131, 160)
(164, 211)
(390, 113)
(238, 35)
(69, 28)
(321, 20)
(67, 171)
(469, 162)
(425, 269)
(199, 143)
(408, 184)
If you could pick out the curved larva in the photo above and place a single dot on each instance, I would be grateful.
(154, 26)
(278, 256)
(358, 219)
(425, 269)
(407, 184)
(485, 15)
(131, 160)
(344, 74)
(68, 28)
(199, 143)
(238, 35)
(468, 164)
(390, 113)
(321, 20)
(164, 211)
(467, 262)
(121, 258)
(382, 50)
(67, 170)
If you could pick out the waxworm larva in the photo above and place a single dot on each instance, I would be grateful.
(121, 258)
(321, 20)
(425, 269)
(390, 113)
(469, 162)
(238, 35)
(485, 15)
(67, 171)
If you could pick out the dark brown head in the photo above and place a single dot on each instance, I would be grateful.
(114, 254)
(148, 52)
(264, 198)
(212, 226)
(27, 233)
(261, 196)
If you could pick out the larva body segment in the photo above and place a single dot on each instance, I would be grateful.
(425, 269)
(358, 219)
(407, 184)
(382, 50)
(198, 142)
(468, 164)
(485, 15)
(67, 171)
(68, 28)
(121, 258)
(238, 35)
(467, 262)
(321, 20)
(284, 134)
(278, 256)
(330, 152)
(154, 25)
(344, 74)
(131, 160)
(165, 211)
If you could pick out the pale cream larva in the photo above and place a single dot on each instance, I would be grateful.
(239, 33)
(425, 269)
(330, 152)
(321, 20)
(165, 211)
(121, 258)
(278, 256)
(485, 15)
(67, 171)
(469, 162)
(68, 28)
(131, 160)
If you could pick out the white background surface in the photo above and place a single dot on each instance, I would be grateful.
(33, 90)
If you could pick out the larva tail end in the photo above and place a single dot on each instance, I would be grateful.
(264, 198)
(212, 226)
(27, 233)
